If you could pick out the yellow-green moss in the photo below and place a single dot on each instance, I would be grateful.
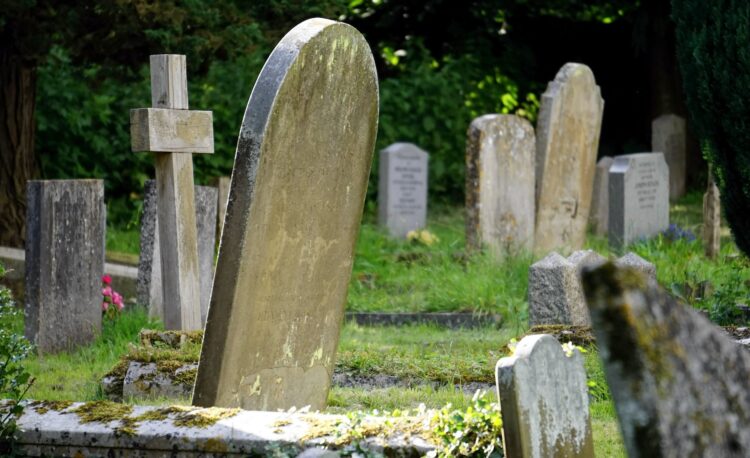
(42, 407)
(578, 335)
(186, 377)
(203, 418)
(215, 445)
(102, 411)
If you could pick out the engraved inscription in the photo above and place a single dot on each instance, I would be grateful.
(647, 184)
(408, 181)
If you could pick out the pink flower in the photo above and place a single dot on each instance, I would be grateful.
(107, 279)
(120, 306)
(105, 306)
(117, 299)
(107, 292)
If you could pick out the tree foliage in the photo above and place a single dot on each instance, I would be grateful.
(714, 56)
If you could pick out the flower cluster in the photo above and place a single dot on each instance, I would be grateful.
(112, 303)
(674, 233)
(423, 237)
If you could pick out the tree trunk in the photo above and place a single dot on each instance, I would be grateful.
(18, 160)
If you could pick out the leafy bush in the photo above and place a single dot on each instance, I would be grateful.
(475, 432)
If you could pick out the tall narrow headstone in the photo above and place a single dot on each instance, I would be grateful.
(149, 265)
(500, 184)
(295, 204)
(544, 399)
(222, 183)
(402, 188)
(65, 229)
(679, 382)
(567, 140)
(638, 197)
(600, 198)
(711, 219)
(668, 136)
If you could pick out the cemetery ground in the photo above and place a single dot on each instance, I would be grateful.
(398, 368)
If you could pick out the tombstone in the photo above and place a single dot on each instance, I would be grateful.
(544, 399)
(636, 262)
(599, 218)
(668, 136)
(222, 183)
(679, 382)
(638, 198)
(500, 184)
(711, 219)
(149, 265)
(65, 227)
(402, 189)
(295, 204)
(172, 132)
(570, 118)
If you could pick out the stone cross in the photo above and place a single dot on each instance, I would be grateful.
(293, 214)
(170, 130)
(545, 402)
(711, 219)
(500, 185)
(679, 382)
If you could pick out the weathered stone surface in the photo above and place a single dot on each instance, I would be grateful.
(636, 262)
(294, 210)
(600, 197)
(149, 381)
(402, 188)
(554, 293)
(544, 399)
(638, 197)
(65, 227)
(567, 139)
(171, 131)
(149, 267)
(711, 220)
(679, 382)
(47, 429)
(500, 152)
(669, 136)
(222, 183)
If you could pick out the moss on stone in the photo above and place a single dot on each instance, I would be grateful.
(215, 445)
(186, 377)
(42, 407)
(578, 335)
(203, 418)
(102, 412)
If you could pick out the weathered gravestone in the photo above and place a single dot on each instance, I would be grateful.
(172, 132)
(402, 188)
(544, 399)
(222, 183)
(668, 136)
(149, 263)
(295, 204)
(65, 227)
(638, 197)
(599, 218)
(555, 292)
(711, 219)
(500, 184)
(679, 383)
(567, 139)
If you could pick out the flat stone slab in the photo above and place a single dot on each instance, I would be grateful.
(55, 429)
(448, 320)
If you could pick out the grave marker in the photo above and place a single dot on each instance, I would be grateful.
(570, 118)
(170, 130)
(500, 184)
(679, 382)
(668, 136)
(711, 219)
(295, 205)
(544, 399)
(402, 188)
(600, 198)
(638, 197)
(65, 229)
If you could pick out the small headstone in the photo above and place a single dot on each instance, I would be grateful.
(65, 229)
(544, 399)
(600, 199)
(149, 265)
(638, 197)
(636, 262)
(711, 219)
(402, 188)
(679, 382)
(500, 184)
(570, 118)
(668, 136)
(295, 205)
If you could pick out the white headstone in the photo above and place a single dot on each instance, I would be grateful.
(402, 188)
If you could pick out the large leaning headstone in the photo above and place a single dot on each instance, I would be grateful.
(544, 399)
(149, 263)
(638, 197)
(669, 136)
(599, 217)
(500, 184)
(295, 204)
(567, 139)
(679, 382)
(402, 188)
(65, 227)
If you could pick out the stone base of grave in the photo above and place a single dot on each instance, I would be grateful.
(107, 429)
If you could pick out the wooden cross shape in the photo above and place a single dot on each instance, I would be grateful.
(168, 130)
